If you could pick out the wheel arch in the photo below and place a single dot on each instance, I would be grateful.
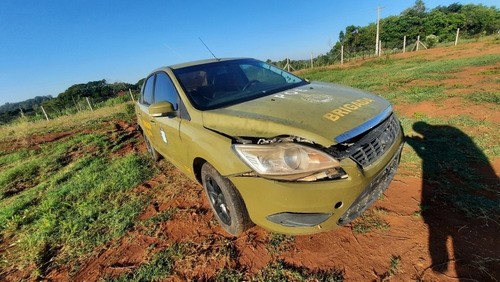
(197, 165)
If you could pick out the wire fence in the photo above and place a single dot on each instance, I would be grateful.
(50, 111)
(344, 55)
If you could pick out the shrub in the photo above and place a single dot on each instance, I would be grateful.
(431, 40)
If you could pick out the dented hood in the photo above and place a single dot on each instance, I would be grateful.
(319, 112)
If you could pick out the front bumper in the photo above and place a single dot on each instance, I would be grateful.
(312, 207)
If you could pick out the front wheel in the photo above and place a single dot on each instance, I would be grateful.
(226, 202)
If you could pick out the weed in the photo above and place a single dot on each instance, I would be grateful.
(419, 94)
(495, 71)
(393, 268)
(161, 265)
(282, 271)
(368, 221)
(228, 274)
(152, 224)
(279, 243)
(485, 97)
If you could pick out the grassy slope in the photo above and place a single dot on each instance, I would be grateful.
(60, 199)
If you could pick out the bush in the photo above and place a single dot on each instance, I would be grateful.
(431, 40)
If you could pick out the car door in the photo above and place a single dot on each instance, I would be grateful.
(165, 129)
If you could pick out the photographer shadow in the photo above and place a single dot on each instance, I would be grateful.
(460, 203)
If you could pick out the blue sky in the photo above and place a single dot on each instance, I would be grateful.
(48, 45)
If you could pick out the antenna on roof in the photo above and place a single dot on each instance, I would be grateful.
(208, 49)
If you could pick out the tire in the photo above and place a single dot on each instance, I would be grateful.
(151, 151)
(226, 202)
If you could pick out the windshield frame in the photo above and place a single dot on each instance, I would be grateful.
(240, 96)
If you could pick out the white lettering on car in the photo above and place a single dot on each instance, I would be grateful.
(163, 136)
(290, 93)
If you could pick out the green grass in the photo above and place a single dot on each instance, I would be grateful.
(417, 94)
(61, 199)
(279, 243)
(390, 77)
(73, 215)
(370, 220)
(484, 97)
(152, 225)
(161, 265)
(282, 271)
(22, 129)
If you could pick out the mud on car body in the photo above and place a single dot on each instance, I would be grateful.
(268, 147)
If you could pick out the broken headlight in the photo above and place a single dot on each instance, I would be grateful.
(286, 161)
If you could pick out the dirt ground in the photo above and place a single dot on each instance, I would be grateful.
(439, 246)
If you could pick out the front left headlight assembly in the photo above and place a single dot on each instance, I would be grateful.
(288, 161)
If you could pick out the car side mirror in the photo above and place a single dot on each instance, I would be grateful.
(161, 109)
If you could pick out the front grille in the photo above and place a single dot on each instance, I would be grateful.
(368, 147)
(376, 147)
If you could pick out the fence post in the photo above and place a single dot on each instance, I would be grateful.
(456, 37)
(342, 55)
(418, 41)
(131, 96)
(404, 44)
(312, 66)
(90, 106)
(45, 113)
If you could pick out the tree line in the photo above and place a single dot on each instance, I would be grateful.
(69, 101)
(437, 25)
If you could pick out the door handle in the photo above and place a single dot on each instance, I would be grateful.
(152, 121)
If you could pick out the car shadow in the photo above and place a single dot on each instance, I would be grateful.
(460, 203)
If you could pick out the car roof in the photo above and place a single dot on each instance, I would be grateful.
(202, 62)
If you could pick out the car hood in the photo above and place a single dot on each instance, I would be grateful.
(319, 112)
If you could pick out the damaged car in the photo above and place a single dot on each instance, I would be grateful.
(268, 147)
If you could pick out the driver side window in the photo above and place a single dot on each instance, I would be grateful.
(165, 90)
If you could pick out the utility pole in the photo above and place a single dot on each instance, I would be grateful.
(377, 48)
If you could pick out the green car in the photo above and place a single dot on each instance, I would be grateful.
(271, 148)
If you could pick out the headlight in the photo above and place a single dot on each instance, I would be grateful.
(285, 161)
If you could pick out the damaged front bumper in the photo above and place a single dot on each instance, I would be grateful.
(312, 207)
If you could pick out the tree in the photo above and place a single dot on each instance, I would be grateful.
(481, 19)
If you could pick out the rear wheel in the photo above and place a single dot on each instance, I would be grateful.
(151, 151)
(226, 202)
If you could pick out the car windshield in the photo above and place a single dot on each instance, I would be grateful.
(224, 83)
